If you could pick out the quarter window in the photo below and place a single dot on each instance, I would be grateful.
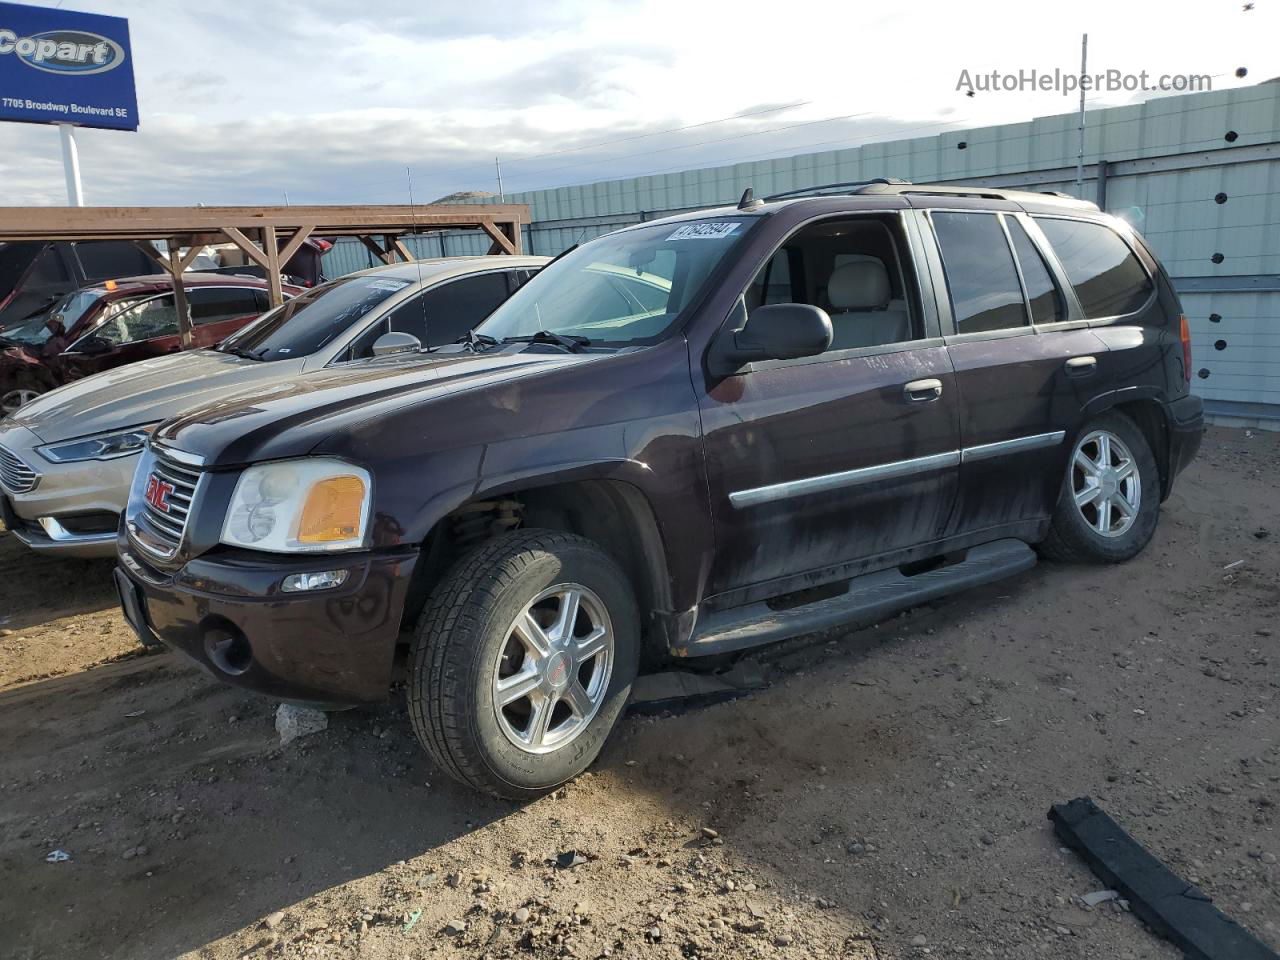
(1107, 277)
(985, 293)
(1042, 292)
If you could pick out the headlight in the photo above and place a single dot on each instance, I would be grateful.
(299, 506)
(105, 446)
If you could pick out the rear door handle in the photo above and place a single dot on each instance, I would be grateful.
(1082, 366)
(922, 391)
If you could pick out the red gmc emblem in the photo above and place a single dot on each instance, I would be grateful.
(158, 493)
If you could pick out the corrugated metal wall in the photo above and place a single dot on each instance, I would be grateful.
(1199, 175)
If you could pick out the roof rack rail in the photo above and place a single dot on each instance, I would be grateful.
(985, 193)
(837, 188)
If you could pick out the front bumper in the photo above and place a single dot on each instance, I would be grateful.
(74, 508)
(333, 647)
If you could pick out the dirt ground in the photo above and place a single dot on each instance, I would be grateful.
(884, 797)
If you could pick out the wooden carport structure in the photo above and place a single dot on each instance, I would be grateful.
(269, 236)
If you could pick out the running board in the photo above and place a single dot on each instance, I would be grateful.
(868, 599)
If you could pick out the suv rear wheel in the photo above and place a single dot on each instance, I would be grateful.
(523, 662)
(1110, 497)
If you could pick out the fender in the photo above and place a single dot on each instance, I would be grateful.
(546, 475)
(1156, 397)
(618, 485)
(1113, 398)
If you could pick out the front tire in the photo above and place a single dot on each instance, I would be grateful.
(1110, 498)
(523, 662)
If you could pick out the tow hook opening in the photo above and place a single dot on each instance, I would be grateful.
(228, 650)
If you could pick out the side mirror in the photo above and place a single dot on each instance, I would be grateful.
(92, 346)
(779, 331)
(396, 342)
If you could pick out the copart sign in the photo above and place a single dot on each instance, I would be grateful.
(60, 66)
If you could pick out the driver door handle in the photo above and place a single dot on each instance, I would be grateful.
(922, 391)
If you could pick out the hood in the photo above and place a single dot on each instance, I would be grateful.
(144, 392)
(290, 417)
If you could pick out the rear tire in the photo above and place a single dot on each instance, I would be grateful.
(1110, 500)
(523, 662)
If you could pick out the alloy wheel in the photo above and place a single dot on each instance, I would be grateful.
(14, 400)
(1105, 483)
(553, 672)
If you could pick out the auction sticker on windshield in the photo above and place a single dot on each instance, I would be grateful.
(705, 231)
(389, 283)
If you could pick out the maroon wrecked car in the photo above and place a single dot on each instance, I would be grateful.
(117, 322)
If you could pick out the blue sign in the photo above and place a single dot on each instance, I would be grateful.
(59, 66)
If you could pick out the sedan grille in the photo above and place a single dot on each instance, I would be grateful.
(168, 490)
(16, 476)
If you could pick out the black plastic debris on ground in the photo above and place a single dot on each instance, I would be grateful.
(1175, 909)
(677, 691)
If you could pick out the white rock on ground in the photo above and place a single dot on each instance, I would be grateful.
(293, 722)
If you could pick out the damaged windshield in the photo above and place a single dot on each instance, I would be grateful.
(68, 311)
(624, 289)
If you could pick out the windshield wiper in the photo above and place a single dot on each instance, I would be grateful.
(240, 352)
(476, 341)
(571, 342)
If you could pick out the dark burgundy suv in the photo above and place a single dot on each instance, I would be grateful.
(685, 438)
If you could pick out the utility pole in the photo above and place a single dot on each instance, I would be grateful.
(1084, 61)
(497, 165)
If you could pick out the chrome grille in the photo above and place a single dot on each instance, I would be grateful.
(16, 476)
(178, 485)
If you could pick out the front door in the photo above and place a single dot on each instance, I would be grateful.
(816, 463)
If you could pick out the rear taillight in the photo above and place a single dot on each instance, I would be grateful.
(1184, 333)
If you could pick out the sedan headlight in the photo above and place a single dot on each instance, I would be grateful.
(299, 506)
(104, 446)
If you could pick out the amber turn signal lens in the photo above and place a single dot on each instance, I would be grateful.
(332, 511)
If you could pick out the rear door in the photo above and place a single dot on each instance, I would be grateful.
(819, 465)
(1025, 361)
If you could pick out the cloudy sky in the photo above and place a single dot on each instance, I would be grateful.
(242, 101)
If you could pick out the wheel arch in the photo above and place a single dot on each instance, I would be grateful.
(1146, 409)
(593, 503)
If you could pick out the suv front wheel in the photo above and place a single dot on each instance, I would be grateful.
(523, 662)
(1110, 498)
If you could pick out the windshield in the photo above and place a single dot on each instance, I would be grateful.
(69, 311)
(310, 321)
(623, 289)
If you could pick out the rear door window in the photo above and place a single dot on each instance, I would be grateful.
(214, 304)
(985, 292)
(1107, 277)
(1042, 292)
